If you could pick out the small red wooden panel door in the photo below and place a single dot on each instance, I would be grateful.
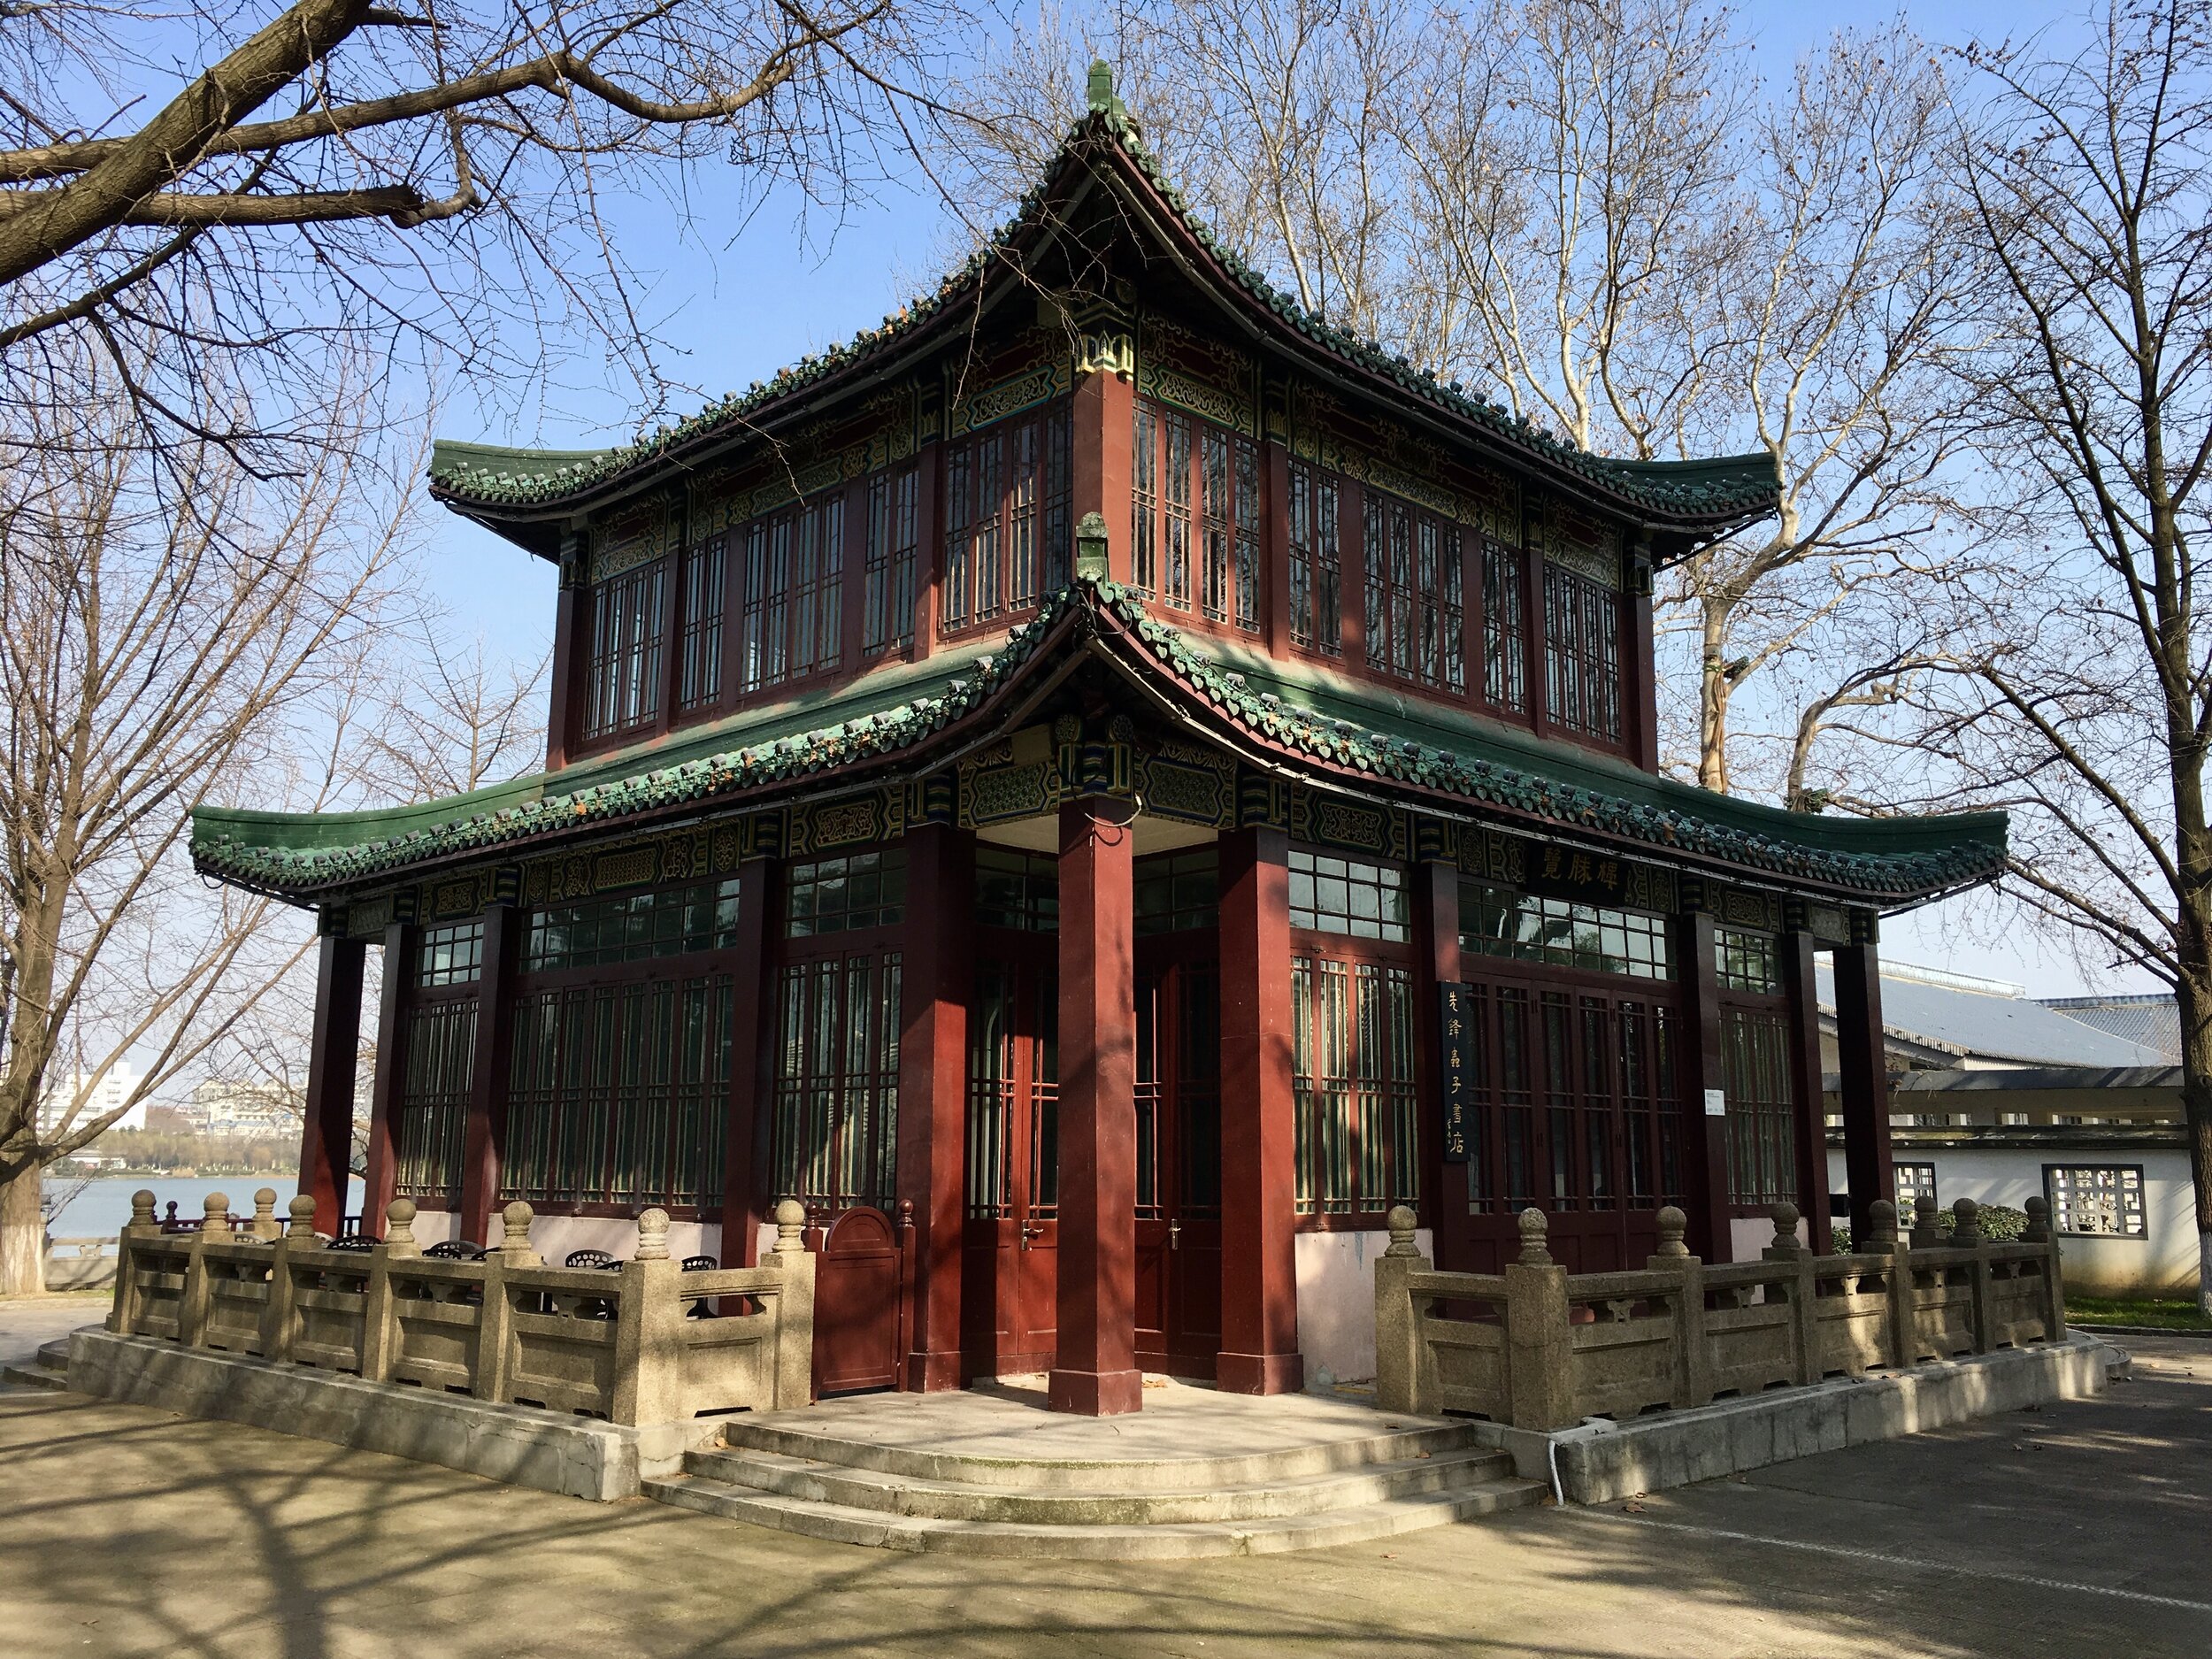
(856, 1285)
(1178, 1161)
(1009, 1278)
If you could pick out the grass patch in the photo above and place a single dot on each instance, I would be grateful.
(2166, 1315)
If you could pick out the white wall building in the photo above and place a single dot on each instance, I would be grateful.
(225, 1107)
(60, 1094)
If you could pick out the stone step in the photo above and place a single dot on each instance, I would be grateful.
(48, 1369)
(844, 1524)
(1148, 1476)
(1419, 1474)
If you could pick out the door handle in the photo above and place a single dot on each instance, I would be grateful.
(1175, 1235)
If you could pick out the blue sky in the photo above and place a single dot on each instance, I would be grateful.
(736, 311)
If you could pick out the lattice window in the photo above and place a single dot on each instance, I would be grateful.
(618, 1092)
(1013, 1092)
(632, 927)
(1747, 961)
(699, 643)
(1315, 563)
(1016, 889)
(837, 1081)
(1197, 507)
(1332, 894)
(1008, 535)
(622, 675)
(893, 541)
(1912, 1180)
(1498, 922)
(1505, 628)
(430, 1113)
(2097, 1200)
(843, 895)
(1178, 1041)
(1352, 1090)
(793, 617)
(451, 954)
(1178, 892)
(1414, 617)
(1582, 668)
(1762, 1108)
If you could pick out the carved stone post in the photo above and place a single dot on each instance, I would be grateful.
(379, 1319)
(1805, 1364)
(192, 1306)
(2038, 1231)
(1966, 1234)
(123, 1316)
(1692, 1365)
(1896, 1278)
(1401, 1368)
(1539, 1343)
(795, 1308)
(280, 1326)
(648, 1343)
(265, 1223)
(495, 1321)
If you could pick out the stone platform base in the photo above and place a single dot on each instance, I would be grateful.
(1602, 1460)
(577, 1456)
(991, 1472)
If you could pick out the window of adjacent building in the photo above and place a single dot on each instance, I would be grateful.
(1504, 629)
(2097, 1200)
(1414, 615)
(451, 954)
(431, 1110)
(632, 927)
(1353, 1087)
(1016, 889)
(793, 615)
(1499, 922)
(1762, 1113)
(842, 896)
(1333, 894)
(894, 541)
(1746, 962)
(1316, 573)
(836, 1131)
(622, 675)
(699, 640)
(1912, 1180)
(1582, 669)
(618, 1092)
(1197, 507)
(1178, 892)
(1008, 537)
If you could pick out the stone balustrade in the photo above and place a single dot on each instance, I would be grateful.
(1538, 1347)
(626, 1345)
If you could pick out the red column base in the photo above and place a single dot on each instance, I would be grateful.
(1259, 1373)
(933, 1373)
(1097, 1393)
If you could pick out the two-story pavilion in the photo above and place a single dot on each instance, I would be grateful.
(1100, 787)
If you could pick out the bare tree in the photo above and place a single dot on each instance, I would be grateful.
(156, 649)
(462, 720)
(2084, 703)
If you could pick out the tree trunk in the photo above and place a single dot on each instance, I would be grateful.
(2196, 1100)
(22, 1237)
(1712, 700)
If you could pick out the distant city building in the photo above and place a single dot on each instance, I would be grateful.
(60, 1095)
(222, 1107)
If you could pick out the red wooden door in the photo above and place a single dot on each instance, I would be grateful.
(857, 1287)
(1010, 1289)
(1178, 1163)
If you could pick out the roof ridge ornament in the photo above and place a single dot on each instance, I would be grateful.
(1101, 97)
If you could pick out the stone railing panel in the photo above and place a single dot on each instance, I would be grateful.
(1541, 1349)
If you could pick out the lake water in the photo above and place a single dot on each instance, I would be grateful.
(103, 1208)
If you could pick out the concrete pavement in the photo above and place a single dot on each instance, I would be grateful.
(2079, 1528)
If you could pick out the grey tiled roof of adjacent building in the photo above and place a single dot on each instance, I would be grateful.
(2150, 1022)
(1986, 1026)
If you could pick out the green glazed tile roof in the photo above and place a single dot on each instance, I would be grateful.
(1721, 488)
(1327, 721)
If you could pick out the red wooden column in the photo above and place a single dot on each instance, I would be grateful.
(381, 1167)
(1802, 990)
(1702, 1079)
(1100, 431)
(484, 1144)
(936, 975)
(1643, 674)
(749, 1111)
(569, 610)
(1436, 934)
(1096, 1371)
(1863, 1059)
(333, 1051)
(1259, 1192)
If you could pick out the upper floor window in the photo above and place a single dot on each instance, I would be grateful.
(699, 637)
(1746, 962)
(1415, 612)
(632, 927)
(843, 895)
(452, 955)
(1016, 889)
(622, 675)
(1007, 531)
(894, 539)
(1504, 630)
(1499, 922)
(1178, 892)
(794, 585)
(1197, 517)
(1582, 666)
(1333, 895)
(1316, 571)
